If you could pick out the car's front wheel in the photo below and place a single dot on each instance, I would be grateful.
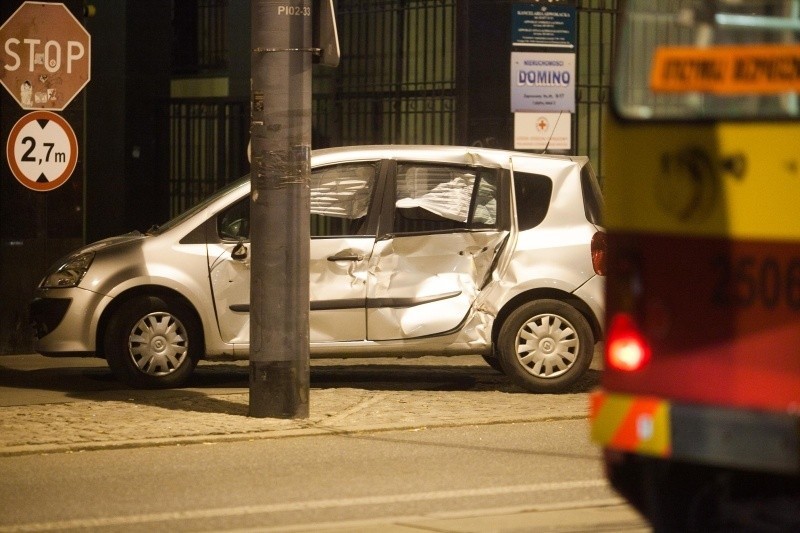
(153, 342)
(545, 346)
(493, 362)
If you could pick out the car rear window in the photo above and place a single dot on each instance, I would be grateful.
(592, 197)
(532, 192)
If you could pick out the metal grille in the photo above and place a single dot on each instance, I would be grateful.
(596, 22)
(398, 82)
(395, 85)
(211, 22)
(200, 38)
(207, 147)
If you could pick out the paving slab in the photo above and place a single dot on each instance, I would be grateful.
(346, 397)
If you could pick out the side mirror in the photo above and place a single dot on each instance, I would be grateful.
(239, 252)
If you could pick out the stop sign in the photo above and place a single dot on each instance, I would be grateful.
(45, 53)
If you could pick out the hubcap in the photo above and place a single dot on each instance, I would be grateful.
(158, 344)
(547, 346)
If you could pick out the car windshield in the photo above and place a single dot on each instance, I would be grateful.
(199, 207)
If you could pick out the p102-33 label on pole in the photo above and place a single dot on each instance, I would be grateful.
(42, 151)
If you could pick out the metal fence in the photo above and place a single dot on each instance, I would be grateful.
(596, 29)
(396, 84)
(211, 35)
(207, 147)
(399, 80)
(200, 36)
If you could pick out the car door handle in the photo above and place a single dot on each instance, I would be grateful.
(473, 250)
(346, 256)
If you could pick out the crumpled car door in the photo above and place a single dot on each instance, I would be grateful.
(447, 233)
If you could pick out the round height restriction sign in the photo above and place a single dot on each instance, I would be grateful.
(42, 150)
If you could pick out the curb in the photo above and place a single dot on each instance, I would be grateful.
(314, 430)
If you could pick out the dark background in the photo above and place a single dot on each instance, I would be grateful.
(156, 134)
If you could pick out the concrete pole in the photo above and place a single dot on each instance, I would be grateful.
(280, 208)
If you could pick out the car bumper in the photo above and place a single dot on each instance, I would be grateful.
(697, 434)
(64, 321)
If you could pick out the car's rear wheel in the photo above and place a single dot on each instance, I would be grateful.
(153, 342)
(545, 346)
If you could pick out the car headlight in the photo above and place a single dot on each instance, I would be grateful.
(69, 273)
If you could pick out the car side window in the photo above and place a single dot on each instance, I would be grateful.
(532, 193)
(340, 197)
(443, 198)
(484, 209)
(233, 224)
(592, 196)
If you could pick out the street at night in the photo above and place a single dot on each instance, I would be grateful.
(444, 443)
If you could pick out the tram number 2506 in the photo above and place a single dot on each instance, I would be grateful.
(750, 281)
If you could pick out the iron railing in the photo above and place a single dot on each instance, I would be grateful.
(596, 30)
(396, 84)
(200, 28)
(207, 147)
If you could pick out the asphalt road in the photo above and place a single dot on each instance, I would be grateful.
(443, 444)
(411, 479)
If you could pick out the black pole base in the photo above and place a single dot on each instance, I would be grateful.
(278, 389)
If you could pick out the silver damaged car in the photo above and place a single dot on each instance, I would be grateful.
(415, 250)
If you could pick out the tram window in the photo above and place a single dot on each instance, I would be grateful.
(694, 59)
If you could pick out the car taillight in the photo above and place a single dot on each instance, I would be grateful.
(599, 247)
(626, 348)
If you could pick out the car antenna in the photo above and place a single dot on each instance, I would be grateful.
(546, 146)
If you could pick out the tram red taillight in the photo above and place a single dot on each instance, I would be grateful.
(626, 348)
(598, 248)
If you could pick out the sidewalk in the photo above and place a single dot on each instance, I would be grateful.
(470, 393)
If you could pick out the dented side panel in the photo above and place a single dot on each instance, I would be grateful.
(338, 276)
(426, 284)
(338, 272)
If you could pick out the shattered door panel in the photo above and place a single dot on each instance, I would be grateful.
(422, 285)
(339, 255)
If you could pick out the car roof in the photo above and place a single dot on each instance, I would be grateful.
(444, 154)
(556, 166)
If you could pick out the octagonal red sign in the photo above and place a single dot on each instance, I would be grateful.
(45, 56)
